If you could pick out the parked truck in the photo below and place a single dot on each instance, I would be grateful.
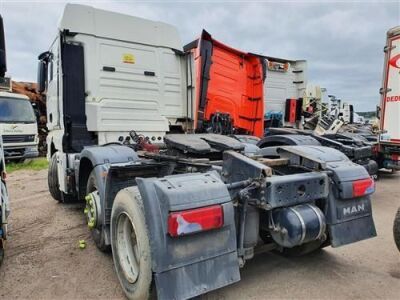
(18, 124)
(388, 150)
(183, 208)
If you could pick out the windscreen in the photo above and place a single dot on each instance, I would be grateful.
(16, 111)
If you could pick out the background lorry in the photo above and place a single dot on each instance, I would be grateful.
(18, 124)
(181, 206)
(389, 111)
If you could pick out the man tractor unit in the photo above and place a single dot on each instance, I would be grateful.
(134, 123)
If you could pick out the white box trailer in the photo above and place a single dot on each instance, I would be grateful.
(389, 139)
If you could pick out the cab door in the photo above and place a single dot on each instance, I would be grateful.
(53, 87)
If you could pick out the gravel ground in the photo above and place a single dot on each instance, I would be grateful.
(43, 260)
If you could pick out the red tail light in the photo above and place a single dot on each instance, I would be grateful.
(395, 157)
(363, 187)
(3, 175)
(195, 220)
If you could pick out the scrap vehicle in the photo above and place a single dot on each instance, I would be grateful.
(18, 124)
(38, 102)
(4, 206)
(182, 208)
(294, 109)
(388, 150)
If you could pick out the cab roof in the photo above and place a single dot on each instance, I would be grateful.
(13, 95)
(105, 24)
(393, 31)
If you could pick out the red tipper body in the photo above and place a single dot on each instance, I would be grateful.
(228, 81)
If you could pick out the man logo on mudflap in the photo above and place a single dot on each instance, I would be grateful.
(353, 209)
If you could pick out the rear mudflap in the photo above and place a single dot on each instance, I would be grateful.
(352, 231)
(193, 264)
(350, 221)
(192, 280)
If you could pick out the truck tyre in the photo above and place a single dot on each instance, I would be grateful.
(396, 229)
(130, 244)
(97, 233)
(52, 179)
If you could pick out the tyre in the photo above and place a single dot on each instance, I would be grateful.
(97, 233)
(396, 229)
(52, 179)
(130, 244)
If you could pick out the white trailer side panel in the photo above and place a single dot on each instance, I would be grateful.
(390, 102)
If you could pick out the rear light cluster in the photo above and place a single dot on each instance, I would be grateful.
(395, 157)
(3, 175)
(363, 187)
(195, 220)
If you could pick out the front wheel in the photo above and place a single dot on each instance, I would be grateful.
(396, 229)
(52, 179)
(130, 244)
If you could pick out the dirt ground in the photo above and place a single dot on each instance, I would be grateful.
(43, 260)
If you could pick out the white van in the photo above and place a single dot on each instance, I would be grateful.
(18, 126)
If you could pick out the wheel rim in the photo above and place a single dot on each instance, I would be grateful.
(127, 248)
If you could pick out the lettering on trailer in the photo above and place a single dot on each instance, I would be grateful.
(393, 98)
(353, 209)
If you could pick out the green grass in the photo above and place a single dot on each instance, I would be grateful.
(34, 164)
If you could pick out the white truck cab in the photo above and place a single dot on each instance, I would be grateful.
(103, 81)
(18, 127)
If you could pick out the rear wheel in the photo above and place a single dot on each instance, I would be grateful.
(396, 229)
(97, 232)
(52, 179)
(130, 244)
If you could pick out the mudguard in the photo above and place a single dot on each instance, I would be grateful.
(349, 219)
(288, 140)
(187, 266)
(100, 159)
(109, 154)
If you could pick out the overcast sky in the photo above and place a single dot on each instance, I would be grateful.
(342, 41)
